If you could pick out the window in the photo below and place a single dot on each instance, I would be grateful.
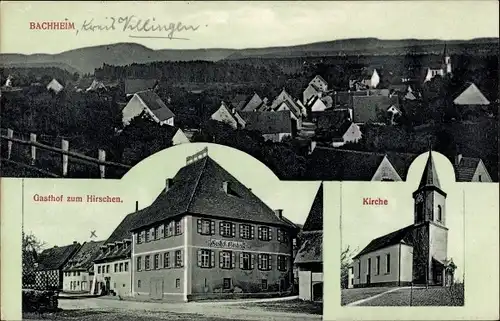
(139, 264)
(368, 266)
(146, 262)
(157, 261)
(420, 212)
(479, 178)
(178, 258)
(282, 236)
(116, 267)
(166, 260)
(226, 260)
(264, 262)
(226, 283)
(126, 267)
(388, 263)
(169, 230)
(74, 273)
(141, 236)
(178, 227)
(138, 283)
(121, 267)
(264, 284)
(78, 273)
(206, 227)
(177, 283)
(147, 236)
(158, 233)
(282, 263)
(440, 213)
(247, 231)
(227, 229)
(246, 261)
(107, 268)
(377, 265)
(359, 269)
(264, 233)
(99, 270)
(206, 258)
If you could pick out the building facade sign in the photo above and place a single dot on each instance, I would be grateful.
(227, 244)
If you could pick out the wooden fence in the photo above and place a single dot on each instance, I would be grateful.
(64, 153)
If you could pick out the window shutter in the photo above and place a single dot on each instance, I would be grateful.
(233, 260)
(279, 235)
(260, 261)
(269, 264)
(212, 258)
(252, 231)
(240, 229)
(221, 264)
(241, 261)
(182, 258)
(212, 227)
(199, 226)
(220, 228)
(233, 229)
(181, 227)
(252, 261)
(269, 233)
(260, 232)
(199, 254)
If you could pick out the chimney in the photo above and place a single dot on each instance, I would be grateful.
(168, 184)
(75, 242)
(136, 206)
(225, 187)
(458, 158)
(279, 213)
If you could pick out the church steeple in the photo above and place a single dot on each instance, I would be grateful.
(429, 197)
(446, 61)
(429, 177)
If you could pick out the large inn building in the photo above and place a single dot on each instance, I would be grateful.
(205, 236)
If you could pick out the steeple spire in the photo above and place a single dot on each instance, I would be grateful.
(429, 177)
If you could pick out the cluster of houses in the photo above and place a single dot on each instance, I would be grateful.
(205, 236)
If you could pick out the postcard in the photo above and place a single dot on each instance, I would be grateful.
(238, 160)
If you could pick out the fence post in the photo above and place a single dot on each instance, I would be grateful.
(33, 148)
(102, 158)
(65, 147)
(10, 134)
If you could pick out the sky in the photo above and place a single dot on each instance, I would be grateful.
(245, 24)
(62, 223)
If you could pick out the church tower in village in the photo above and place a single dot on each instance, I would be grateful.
(430, 234)
(446, 62)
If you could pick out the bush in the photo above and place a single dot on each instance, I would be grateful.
(39, 301)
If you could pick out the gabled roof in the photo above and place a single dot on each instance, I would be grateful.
(363, 73)
(54, 84)
(197, 188)
(320, 78)
(254, 103)
(155, 104)
(133, 86)
(471, 96)
(337, 164)
(121, 232)
(239, 101)
(84, 258)
(466, 168)
(311, 250)
(404, 235)
(55, 257)
(367, 108)
(284, 96)
(314, 220)
(268, 122)
(337, 120)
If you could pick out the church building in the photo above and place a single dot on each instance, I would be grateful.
(416, 253)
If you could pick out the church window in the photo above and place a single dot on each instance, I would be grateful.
(420, 211)
(440, 213)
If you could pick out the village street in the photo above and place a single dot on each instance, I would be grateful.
(231, 310)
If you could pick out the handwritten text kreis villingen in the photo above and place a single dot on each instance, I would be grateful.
(133, 23)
